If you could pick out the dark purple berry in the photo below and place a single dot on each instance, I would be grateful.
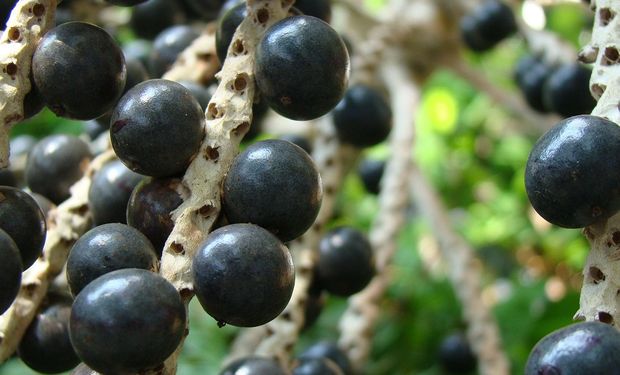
(363, 117)
(157, 128)
(168, 45)
(345, 265)
(109, 192)
(45, 346)
(150, 206)
(253, 366)
(308, 42)
(371, 172)
(316, 366)
(581, 348)
(456, 356)
(276, 185)
(22, 219)
(10, 271)
(567, 91)
(489, 23)
(108, 248)
(243, 275)
(79, 70)
(329, 350)
(298, 140)
(152, 17)
(55, 164)
(127, 321)
(571, 174)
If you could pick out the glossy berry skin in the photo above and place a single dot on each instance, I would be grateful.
(345, 264)
(370, 172)
(109, 192)
(329, 350)
(276, 185)
(10, 271)
(531, 75)
(107, 248)
(567, 91)
(79, 70)
(581, 348)
(308, 93)
(243, 275)
(126, 321)
(253, 366)
(157, 128)
(363, 117)
(490, 23)
(456, 356)
(571, 174)
(45, 346)
(149, 209)
(54, 164)
(316, 366)
(167, 47)
(22, 219)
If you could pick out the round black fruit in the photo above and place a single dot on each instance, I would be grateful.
(581, 348)
(157, 128)
(79, 70)
(167, 47)
(243, 275)
(308, 42)
(226, 27)
(107, 248)
(567, 91)
(316, 366)
(489, 23)
(150, 207)
(45, 346)
(109, 192)
(331, 351)
(571, 174)
(22, 219)
(345, 265)
(55, 164)
(150, 18)
(253, 366)
(126, 321)
(276, 185)
(10, 271)
(363, 117)
(371, 172)
(532, 74)
(455, 354)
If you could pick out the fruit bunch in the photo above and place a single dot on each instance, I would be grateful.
(170, 208)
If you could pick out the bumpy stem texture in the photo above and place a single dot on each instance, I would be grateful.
(229, 115)
(601, 284)
(29, 20)
(66, 224)
(278, 337)
(358, 321)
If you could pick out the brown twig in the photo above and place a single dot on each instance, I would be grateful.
(358, 321)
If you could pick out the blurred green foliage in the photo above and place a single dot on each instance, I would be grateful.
(474, 153)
